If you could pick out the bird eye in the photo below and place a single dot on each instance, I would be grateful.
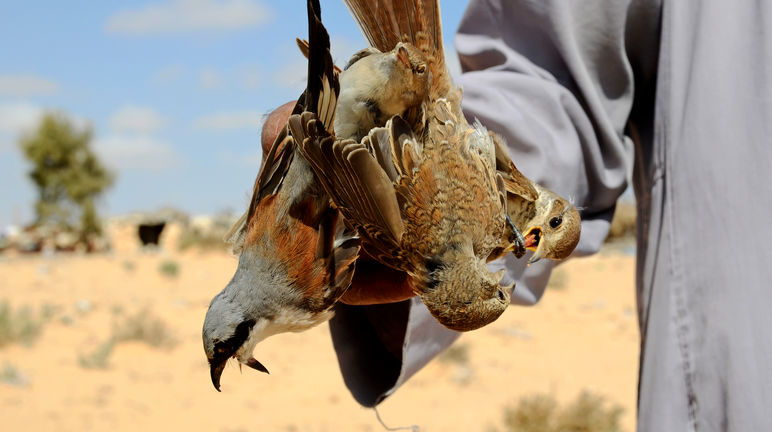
(556, 221)
(420, 69)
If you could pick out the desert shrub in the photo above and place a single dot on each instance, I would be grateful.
(99, 357)
(169, 268)
(11, 375)
(144, 327)
(541, 413)
(534, 413)
(141, 327)
(588, 413)
(20, 326)
(455, 354)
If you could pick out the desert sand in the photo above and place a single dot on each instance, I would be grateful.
(582, 335)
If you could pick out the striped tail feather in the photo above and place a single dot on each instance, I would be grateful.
(384, 23)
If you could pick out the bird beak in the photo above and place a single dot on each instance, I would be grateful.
(539, 254)
(533, 242)
(256, 365)
(215, 370)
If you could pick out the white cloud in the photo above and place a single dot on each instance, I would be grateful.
(26, 85)
(140, 153)
(19, 117)
(246, 119)
(210, 79)
(136, 119)
(184, 16)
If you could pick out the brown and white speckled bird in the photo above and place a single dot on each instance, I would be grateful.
(426, 200)
(296, 257)
(550, 223)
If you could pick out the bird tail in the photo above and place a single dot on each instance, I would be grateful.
(387, 22)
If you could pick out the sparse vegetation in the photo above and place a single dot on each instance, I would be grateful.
(11, 375)
(144, 327)
(20, 326)
(169, 268)
(456, 354)
(541, 413)
(97, 359)
(141, 327)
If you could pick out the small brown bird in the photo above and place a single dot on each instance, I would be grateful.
(296, 257)
(429, 203)
(550, 223)
(375, 86)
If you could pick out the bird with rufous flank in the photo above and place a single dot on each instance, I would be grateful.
(296, 256)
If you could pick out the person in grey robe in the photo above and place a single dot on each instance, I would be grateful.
(675, 96)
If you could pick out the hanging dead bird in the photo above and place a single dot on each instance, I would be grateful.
(425, 200)
(296, 256)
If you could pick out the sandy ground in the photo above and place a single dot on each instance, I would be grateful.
(581, 336)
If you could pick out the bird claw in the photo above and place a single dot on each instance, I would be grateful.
(518, 244)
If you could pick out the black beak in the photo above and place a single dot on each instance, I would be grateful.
(215, 370)
(256, 365)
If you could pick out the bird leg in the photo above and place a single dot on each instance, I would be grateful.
(519, 242)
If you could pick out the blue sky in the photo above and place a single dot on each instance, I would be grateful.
(175, 91)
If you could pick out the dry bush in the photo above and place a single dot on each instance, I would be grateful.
(97, 359)
(11, 375)
(623, 223)
(456, 354)
(146, 328)
(169, 268)
(541, 413)
(21, 326)
(140, 327)
(534, 413)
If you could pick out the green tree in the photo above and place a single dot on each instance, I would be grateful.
(67, 174)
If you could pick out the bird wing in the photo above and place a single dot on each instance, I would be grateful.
(387, 22)
(515, 182)
(361, 179)
(320, 97)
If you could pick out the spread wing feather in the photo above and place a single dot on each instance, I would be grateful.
(360, 187)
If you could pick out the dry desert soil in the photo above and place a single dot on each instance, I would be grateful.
(582, 336)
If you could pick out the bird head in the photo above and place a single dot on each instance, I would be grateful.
(462, 294)
(554, 231)
(415, 73)
(229, 333)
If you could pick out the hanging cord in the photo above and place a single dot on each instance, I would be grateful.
(413, 428)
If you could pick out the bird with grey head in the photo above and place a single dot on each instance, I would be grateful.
(296, 255)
